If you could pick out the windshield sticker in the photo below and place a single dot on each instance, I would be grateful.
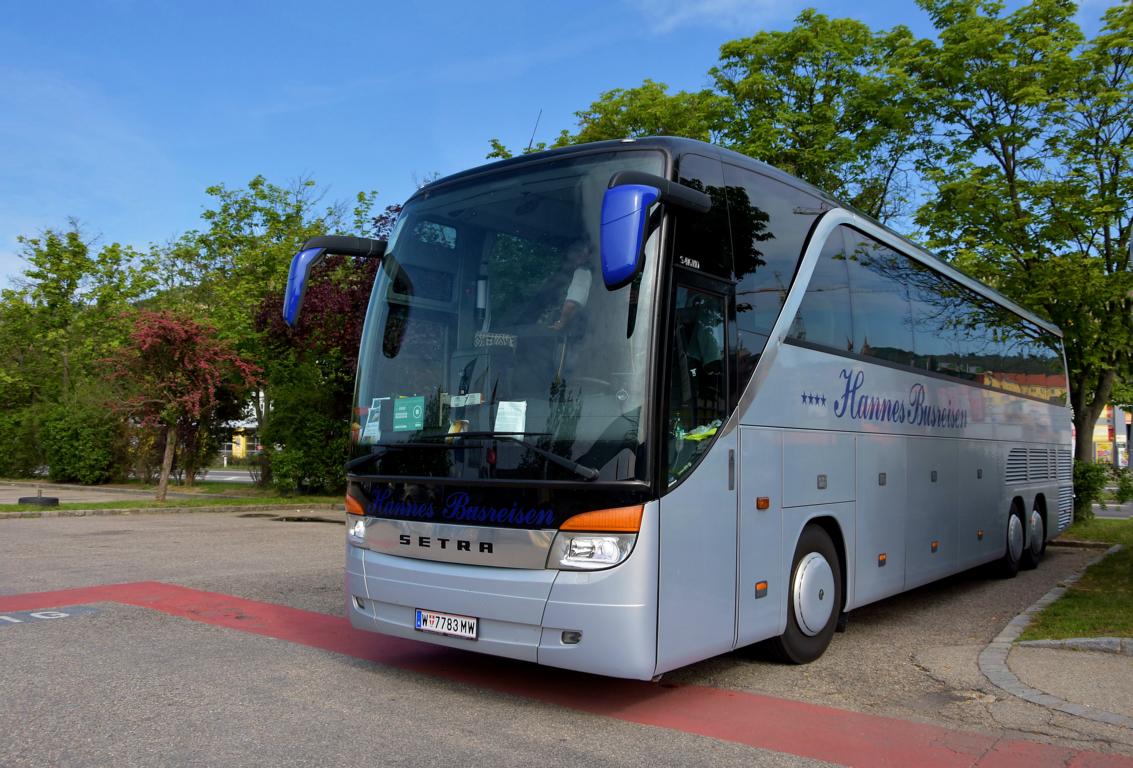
(460, 401)
(372, 432)
(489, 339)
(408, 414)
(511, 416)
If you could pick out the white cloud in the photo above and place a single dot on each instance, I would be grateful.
(739, 16)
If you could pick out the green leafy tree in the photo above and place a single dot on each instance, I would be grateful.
(241, 258)
(58, 320)
(1033, 180)
(65, 311)
(829, 102)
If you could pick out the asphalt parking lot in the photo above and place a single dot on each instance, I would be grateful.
(215, 639)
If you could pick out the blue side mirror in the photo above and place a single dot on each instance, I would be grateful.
(625, 212)
(311, 254)
(297, 282)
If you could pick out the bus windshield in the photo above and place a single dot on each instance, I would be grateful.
(492, 348)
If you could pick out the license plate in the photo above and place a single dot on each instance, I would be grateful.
(446, 624)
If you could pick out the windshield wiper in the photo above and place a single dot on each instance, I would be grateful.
(583, 471)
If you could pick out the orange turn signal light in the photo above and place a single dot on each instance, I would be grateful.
(616, 520)
(762, 502)
(354, 507)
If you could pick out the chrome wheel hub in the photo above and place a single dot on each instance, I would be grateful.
(1036, 533)
(1015, 537)
(813, 593)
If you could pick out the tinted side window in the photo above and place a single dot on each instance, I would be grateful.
(770, 222)
(878, 277)
(824, 315)
(703, 241)
(948, 322)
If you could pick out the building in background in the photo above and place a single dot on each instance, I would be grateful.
(1111, 437)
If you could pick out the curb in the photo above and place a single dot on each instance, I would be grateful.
(1078, 544)
(100, 489)
(993, 658)
(280, 508)
(1100, 644)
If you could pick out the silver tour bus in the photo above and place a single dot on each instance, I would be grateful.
(628, 405)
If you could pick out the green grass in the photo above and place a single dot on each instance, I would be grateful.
(1100, 604)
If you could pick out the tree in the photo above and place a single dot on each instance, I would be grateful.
(829, 102)
(67, 306)
(60, 318)
(311, 367)
(176, 373)
(226, 271)
(1033, 178)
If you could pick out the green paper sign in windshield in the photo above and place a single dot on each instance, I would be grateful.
(408, 414)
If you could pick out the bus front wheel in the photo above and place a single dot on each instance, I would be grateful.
(814, 598)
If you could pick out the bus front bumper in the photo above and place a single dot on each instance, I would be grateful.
(521, 613)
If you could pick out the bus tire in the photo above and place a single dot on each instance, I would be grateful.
(814, 598)
(1036, 546)
(1008, 565)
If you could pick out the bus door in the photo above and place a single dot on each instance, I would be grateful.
(696, 601)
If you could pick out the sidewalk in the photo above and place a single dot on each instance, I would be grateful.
(11, 490)
(1086, 677)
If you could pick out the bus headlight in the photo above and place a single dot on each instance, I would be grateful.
(589, 551)
(356, 530)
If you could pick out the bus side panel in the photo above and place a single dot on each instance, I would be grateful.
(883, 504)
(931, 530)
(982, 512)
(696, 611)
(761, 536)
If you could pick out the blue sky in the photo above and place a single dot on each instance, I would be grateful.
(120, 112)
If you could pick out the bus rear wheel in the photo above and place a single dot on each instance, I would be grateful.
(1008, 565)
(1035, 548)
(814, 598)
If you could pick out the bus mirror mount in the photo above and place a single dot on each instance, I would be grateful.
(625, 211)
(625, 216)
(311, 254)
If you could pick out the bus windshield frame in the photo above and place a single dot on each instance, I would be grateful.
(492, 353)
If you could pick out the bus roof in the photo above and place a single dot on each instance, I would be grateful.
(675, 146)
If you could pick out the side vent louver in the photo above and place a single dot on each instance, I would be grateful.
(1016, 466)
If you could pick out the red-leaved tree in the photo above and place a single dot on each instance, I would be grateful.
(176, 373)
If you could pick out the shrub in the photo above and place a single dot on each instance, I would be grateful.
(1089, 481)
(1124, 480)
(312, 460)
(20, 452)
(83, 444)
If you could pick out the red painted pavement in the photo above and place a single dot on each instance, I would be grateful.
(782, 725)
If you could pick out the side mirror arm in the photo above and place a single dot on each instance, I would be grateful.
(670, 191)
(313, 252)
